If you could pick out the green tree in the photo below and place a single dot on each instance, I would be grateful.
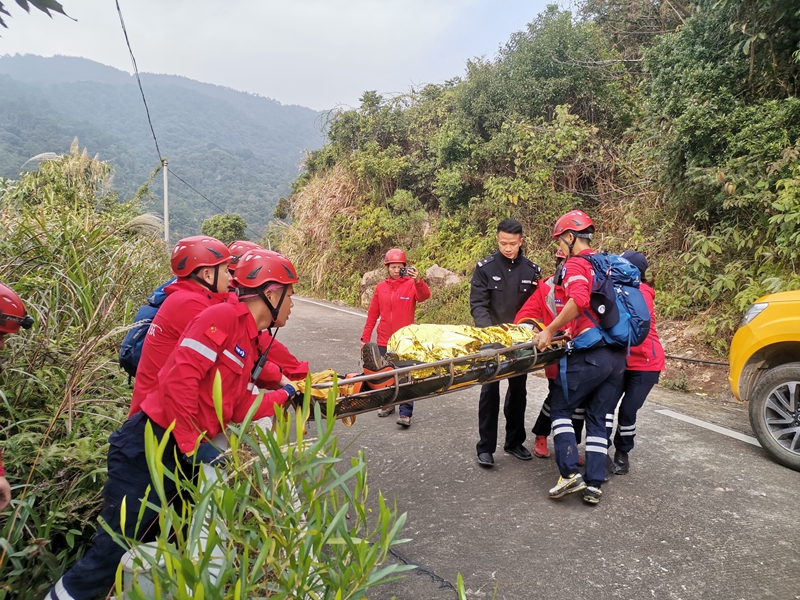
(227, 228)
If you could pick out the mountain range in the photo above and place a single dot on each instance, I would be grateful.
(239, 150)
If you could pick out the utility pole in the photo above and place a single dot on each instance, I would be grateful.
(165, 165)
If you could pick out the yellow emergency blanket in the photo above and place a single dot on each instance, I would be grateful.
(325, 376)
(430, 343)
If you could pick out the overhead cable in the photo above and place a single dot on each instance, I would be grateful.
(139, 81)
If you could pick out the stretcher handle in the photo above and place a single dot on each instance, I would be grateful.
(483, 354)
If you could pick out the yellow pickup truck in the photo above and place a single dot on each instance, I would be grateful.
(765, 371)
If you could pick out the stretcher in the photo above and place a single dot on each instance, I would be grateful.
(412, 382)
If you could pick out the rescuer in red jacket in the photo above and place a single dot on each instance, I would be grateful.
(543, 307)
(201, 264)
(12, 317)
(222, 339)
(394, 303)
(645, 363)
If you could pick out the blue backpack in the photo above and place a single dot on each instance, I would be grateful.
(131, 349)
(623, 315)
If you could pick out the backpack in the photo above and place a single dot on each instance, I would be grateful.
(130, 351)
(623, 315)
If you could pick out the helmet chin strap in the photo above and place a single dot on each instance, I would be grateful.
(273, 310)
(212, 287)
(570, 246)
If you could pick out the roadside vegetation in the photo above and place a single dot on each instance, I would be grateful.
(675, 125)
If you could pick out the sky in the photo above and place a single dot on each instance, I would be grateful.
(315, 53)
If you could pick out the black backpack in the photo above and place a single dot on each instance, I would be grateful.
(131, 349)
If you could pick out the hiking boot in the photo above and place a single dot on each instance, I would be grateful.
(385, 412)
(568, 485)
(404, 421)
(591, 495)
(371, 357)
(540, 447)
(621, 462)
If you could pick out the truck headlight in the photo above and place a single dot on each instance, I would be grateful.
(752, 312)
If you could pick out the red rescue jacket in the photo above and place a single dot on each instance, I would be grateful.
(279, 362)
(543, 306)
(578, 282)
(649, 356)
(394, 301)
(222, 338)
(185, 300)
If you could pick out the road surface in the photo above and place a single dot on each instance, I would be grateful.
(703, 513)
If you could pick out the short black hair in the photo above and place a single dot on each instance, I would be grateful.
(509, 226)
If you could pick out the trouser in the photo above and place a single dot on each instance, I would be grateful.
(407, 408)
(128, 477)
(637, 385)
(513, 409)
(594, 378)
(544, 423)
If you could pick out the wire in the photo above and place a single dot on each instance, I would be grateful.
(139, 81)
(207, 199)
(697, 360)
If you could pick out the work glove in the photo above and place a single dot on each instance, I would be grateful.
(208, 454)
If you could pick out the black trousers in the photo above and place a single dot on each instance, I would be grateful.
(128, 477)
(544, 422)
(637, 386)
(513, 409)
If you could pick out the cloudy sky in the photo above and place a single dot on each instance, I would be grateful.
(316, 53)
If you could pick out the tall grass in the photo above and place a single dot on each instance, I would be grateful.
(82, 262)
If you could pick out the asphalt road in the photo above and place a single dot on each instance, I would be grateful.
(701, 514)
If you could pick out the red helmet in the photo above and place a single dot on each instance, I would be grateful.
(240, 247)
(257, 267)
(574, 220)
(12, 311)
(198, 251)
(395, 255)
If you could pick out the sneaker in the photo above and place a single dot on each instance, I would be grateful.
(621, 462)
(591, 495)
(568, 485)
(581, 460)
(404, 421)
(371, 357)
(385, 412)
(540, 447)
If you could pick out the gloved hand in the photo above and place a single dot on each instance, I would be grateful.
(208, 454)
(294, 398)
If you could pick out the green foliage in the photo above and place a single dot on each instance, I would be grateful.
(288, 519)
(82, 263)
(227, 228)
(43, 5)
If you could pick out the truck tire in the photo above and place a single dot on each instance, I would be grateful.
(775, 414)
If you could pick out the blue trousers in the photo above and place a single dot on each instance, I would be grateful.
(407, 408)
(544, 423)
(594, 378)
(128, 476)
(636, 387)
(514, 410)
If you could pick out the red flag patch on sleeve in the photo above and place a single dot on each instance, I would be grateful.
(216, 335)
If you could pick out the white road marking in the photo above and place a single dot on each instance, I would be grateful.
(716, 428)
(349, 312)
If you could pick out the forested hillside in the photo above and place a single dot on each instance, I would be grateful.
(675, 125)
(239, 150)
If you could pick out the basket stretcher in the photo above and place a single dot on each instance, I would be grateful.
(486, 366)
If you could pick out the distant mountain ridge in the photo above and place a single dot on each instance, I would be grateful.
(239, 149)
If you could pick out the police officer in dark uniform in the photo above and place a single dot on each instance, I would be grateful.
(501, 284)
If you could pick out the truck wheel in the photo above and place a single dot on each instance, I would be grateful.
(775, 414)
